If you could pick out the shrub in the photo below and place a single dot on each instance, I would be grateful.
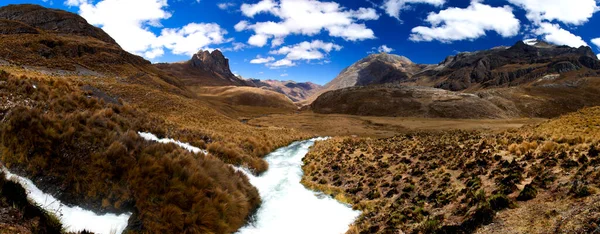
(529, 192)
(499, 202)
(91, 151)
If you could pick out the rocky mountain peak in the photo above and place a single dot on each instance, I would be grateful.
(213, 61)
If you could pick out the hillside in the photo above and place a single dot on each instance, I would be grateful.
(72, 104)
(374, 69)
(247, 96)
(406, 101)
(535, 80)
(297, 91)
(60, 43)
(536, 179)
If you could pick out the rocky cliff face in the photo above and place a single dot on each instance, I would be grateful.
(204, 69)
(296, 91)
(510, 66)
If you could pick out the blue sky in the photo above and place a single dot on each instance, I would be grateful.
(312, 40)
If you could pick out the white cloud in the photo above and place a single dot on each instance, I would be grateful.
(240, 26)
(225, 5)
(131, 28)
(307, 50)
(315, 50)
(596, 41)
(383, 48)
(394, 7)
(306, 17)
(574, 12)
(191, 38)
(261, 60)
(282, 63)
(284, 75)
(259, 40)
(261, 7)
(454, 24)
(152, 54)
(554, 34)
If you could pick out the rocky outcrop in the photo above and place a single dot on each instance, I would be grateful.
(296, 91)
(53, 20)
(204, 69)
(510, 66)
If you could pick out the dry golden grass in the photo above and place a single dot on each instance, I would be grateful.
(455, 181)
(370, 126)
(246, 96)
(88, 153)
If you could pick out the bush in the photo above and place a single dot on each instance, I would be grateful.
(499, 202)
(529, 192)
(91, 151)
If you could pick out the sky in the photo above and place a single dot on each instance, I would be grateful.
(313, 40)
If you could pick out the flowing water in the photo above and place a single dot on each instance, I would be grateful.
(289, 207)
(73, 218)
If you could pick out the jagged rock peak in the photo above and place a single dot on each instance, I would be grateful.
(213, 61)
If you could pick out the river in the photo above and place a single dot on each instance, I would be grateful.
(288, 206)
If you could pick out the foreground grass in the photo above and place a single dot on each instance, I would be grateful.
(88, 152)
(456, 181)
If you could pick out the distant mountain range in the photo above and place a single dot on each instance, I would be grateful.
(296, 91)
(533, 79)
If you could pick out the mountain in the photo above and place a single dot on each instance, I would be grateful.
(406, 101)
(509, 66)
(204, 69)
(73, 104)
(533, 79)
(375, 69)
(296, 91)
(62, 43)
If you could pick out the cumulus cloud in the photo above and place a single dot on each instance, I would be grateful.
(225, 5)
(394, 7)
(383, 48)
(574, 12)
(284, 75)
(282, 63)
(261, 60)
(131, 29)
(454, 24)
(305, 17)
(315, 50)
(596, 41)
(554, 34)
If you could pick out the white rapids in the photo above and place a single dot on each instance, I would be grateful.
(288, 206)
(74, 219)
(151, 137)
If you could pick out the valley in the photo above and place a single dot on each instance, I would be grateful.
(503, 140)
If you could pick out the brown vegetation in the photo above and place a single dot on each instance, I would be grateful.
(87, 152)
(456, 181)
(246, 96)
